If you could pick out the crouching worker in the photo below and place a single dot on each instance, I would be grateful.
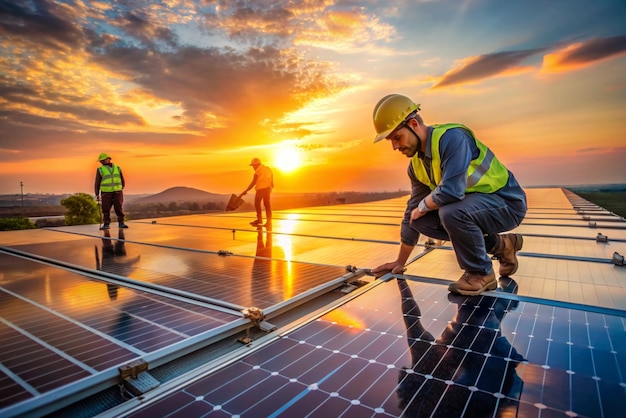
(460, 193)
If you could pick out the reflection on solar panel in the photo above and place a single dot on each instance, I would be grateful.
(410, 349)
(170, 302)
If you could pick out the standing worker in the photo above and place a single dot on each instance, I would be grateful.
(110, 183)
(263, 181)
(459, 192)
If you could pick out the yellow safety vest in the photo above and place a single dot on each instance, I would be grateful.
(486, 174)
(111, 178)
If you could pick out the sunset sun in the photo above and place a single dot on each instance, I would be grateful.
(287, 159)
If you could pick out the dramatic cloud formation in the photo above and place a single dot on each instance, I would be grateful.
(571, 57)
(99, 70)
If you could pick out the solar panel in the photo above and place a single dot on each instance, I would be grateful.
(244, 281)
(58, 327)
(411, 349)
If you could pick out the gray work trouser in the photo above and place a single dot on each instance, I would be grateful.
(465, 224)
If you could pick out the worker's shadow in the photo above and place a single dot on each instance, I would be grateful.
(114, 259)
(458, 373)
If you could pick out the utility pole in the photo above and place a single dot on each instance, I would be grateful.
(22, 194)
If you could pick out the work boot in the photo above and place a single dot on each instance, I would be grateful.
(256, 223)
(122, 225)
(105, 226)
(472, 284)
(505, 251)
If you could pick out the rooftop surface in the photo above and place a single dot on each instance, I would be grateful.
(204, 315)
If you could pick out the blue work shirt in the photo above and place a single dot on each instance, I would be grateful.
(457, 150)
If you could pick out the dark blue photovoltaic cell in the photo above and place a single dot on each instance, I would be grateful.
(92, 350)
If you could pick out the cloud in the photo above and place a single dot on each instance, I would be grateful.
(222, 81)
(337, 26)
(582, 54)
(111, 70)
(477, 68)
(142, 28)
(251, 20)
(571, 57)
(347, 31)
(49, 24)
(598, 150)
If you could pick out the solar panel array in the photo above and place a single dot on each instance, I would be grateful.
(409, 349)
(78, 303)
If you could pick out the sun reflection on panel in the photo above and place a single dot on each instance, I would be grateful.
(283, 240)
(285, 243)
(173, 264)
(47, 290)
(344, 318)
(86, 296)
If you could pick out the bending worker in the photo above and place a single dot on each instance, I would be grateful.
(460, 192)
(263, 182)
(110, 183)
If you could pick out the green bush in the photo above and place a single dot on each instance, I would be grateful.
(13, 224)
(82, 209)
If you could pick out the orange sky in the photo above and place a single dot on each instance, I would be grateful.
(187, 95)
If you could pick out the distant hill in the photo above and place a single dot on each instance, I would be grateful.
(182, 194)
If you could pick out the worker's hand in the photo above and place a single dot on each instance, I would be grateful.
(399, 269)
(394, 267)
(243, 193)
(416, 214)
(97, 198)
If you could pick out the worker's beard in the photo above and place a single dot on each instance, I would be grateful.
(417, 149)
(408, 151)
(413, 147)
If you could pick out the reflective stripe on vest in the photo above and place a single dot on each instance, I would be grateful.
(111, 178)
(485, 174)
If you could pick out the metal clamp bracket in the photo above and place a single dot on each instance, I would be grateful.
(601, 238)
(257, 317)
(136, 378)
